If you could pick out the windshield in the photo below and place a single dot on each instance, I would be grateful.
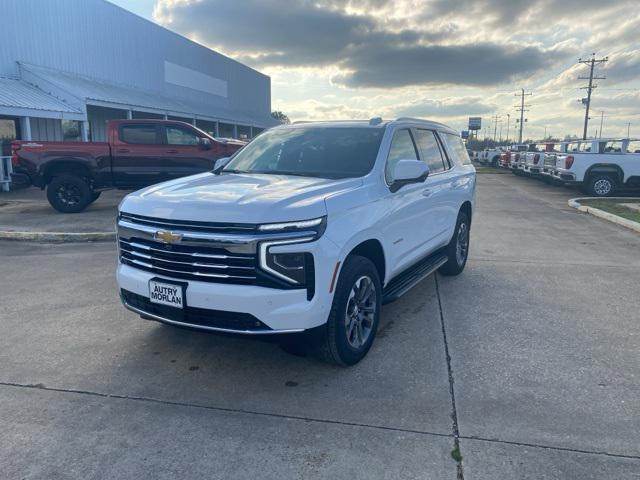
(325, 152)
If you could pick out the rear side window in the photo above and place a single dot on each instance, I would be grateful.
(402, 148)
(139, 134)
(430, 150)
(181, 136)
(456, 146)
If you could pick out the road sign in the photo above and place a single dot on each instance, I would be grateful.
(475, 123)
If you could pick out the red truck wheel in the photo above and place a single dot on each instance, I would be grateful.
(69, 193)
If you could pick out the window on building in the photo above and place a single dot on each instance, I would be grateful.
(71, 131)
(431, 153)
(181, 136)
(226, 130)
(139, 134)
(8, 133)
(402, 148)
(244, 133)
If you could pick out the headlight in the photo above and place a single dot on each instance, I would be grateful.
(292, 267)
(316, 224)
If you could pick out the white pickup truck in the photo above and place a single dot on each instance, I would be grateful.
(534, 158)
(600, 166)
(305, 231)
(491, 156)
(549, 161)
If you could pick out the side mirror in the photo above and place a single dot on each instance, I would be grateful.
(409, 171)
(205, 143)
(220, 163)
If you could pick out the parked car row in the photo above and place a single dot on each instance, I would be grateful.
(600, 167)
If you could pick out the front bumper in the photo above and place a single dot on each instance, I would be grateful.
(278, 311)
(253, 309)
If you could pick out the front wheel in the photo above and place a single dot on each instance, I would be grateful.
(355, 313)
(458, 249)
(69, 193)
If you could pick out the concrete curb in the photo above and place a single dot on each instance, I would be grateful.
(596, 212)
(59, 237)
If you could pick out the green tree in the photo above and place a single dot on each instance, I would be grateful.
(281, 117)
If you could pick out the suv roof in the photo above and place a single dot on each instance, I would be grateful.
(374, 123)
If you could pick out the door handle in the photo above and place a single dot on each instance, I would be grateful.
(172, 151)
(123, 150)
(427, 192)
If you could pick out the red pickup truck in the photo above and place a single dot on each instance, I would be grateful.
(139, 153)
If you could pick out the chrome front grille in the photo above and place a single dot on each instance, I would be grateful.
(200, 263)
(192, 226)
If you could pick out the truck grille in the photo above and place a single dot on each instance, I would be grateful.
(201, 263)
(192, 226)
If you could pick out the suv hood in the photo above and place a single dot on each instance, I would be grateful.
(239, 198)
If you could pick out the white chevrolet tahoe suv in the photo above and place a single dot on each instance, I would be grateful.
(307, 231)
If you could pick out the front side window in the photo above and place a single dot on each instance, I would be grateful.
(310, 151)
(402, 148)
(181, 136)
(430, 150)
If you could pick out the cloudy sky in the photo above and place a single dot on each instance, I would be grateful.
(438, 59)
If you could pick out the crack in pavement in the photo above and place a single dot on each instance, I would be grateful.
(454, 413)
(116, 396)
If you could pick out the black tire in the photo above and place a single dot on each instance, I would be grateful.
(601, 185)
(69, 193)
(457, 259)
(334, 342)
(94, 196)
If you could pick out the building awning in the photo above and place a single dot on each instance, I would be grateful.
(19, 98)
(95, 92)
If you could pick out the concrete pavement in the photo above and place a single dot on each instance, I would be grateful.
(542, 331)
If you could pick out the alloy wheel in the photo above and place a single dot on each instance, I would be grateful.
(602, 187)
(360, 312)
(462, 243)
(69, 194)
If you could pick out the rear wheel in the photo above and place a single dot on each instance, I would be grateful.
(601, 185)
(69, 193)
(458, 249)
(353, 320)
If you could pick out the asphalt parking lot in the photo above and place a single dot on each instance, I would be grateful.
(532, 355)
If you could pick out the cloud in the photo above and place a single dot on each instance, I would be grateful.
(446, 107)
(430, 58)
(484, 64)
(370, 50)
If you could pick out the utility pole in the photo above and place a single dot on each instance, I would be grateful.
(628, 129)
(521, 109)
(545, 134)
(508, 120)
(500, 134)
(495, 127)
(592, 62)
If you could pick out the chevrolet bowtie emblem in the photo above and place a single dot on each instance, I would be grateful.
(167, 237)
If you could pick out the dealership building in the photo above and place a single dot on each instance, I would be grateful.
(69, 66)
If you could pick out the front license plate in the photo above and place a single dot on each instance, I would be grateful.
(164, 293)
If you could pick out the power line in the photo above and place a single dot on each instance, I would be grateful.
(522, 109)
(592, 62)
